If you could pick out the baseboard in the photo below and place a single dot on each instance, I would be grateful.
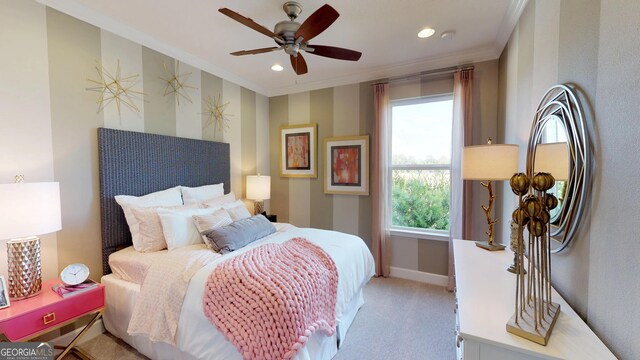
(96, 329)
(420, 276)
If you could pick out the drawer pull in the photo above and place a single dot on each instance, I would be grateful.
(49, 318)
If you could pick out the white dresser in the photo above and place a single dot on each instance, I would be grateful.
(485, 300)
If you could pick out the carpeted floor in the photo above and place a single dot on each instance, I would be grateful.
(400, 319)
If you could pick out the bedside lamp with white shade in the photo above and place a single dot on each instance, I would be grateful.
(27, 209)
(489, 162)
(258, 190)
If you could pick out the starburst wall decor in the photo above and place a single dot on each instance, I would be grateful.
(176, 83)
(115, 88)
(214, 109)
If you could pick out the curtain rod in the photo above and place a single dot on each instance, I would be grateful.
(424, 74)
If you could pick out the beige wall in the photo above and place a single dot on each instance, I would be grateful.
(595, 46)
(348, 110)
(49, 120)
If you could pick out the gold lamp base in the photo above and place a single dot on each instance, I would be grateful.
(525, 327)
(489, 246)
(258, 207)
(25, 269)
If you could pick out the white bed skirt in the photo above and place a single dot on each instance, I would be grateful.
(210, 344)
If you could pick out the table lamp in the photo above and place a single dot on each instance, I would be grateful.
(27, 209)
(489, 162)
(258, 190)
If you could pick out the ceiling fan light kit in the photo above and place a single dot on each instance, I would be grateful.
(292, 36)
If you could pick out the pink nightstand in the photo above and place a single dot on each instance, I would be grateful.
(47, 311)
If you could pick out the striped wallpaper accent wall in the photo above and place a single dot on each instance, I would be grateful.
(211, 89)
(299, 188)
(159, 118)
(189, 113)
(346, 122)
(114, 49)
(322, 108)
(278, 117)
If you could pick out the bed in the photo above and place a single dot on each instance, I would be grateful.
(135, 164)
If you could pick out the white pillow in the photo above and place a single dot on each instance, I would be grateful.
(220, 201)
(168, 197)
(237, 210)
(200, 194)
(212, 221)
(149, 226)
(178, 227)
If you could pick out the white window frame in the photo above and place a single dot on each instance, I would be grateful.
(404, 231)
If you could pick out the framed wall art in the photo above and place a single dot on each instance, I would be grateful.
(298, 150)
(346, 165)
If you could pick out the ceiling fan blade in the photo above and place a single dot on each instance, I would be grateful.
(299, 64)
(318, 22)
(255, 51)
(334, 52)
(247, 22)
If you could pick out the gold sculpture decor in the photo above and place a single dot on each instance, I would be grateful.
(535, 313)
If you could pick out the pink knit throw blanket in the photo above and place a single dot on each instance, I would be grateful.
(269, 300)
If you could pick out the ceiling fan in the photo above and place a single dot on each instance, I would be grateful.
(292, 36)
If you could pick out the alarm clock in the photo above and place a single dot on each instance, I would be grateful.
(74, 274)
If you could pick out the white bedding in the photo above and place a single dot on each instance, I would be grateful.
(197, 338)
(131, 265)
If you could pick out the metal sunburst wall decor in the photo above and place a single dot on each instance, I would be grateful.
(214, 109)
(176, 83)
(115, 88)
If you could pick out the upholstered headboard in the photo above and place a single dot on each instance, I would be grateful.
(133, 163)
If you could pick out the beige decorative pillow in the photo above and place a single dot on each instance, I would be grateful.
(237, 210)
(212, 221)
(151, 237)
(168, 197)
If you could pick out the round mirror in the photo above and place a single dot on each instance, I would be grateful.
(558, 144)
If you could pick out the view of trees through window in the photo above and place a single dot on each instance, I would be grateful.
(421, 162)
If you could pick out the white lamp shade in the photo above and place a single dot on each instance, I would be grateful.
(28, 209)
(489, 162)
(258, 187)
(552, 158)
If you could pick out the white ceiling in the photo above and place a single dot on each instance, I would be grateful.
(194, 32)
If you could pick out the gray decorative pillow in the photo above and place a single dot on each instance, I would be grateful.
(238, 234)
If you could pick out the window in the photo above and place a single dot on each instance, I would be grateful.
(421, 163)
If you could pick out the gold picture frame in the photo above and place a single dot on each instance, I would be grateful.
(299, 151)
(346, 165)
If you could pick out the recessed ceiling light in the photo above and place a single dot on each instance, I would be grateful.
(277, 67)
(426, 32)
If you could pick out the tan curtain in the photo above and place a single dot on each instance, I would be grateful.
(460, 223)
(380, 178)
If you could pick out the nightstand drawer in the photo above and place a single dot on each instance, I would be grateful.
(50, 314)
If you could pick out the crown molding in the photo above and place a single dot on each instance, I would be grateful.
(400, 69)
(509, 21)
